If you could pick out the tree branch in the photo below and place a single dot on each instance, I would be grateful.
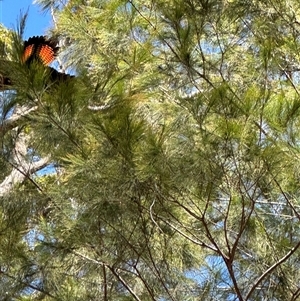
(22, 169)
(12, 122)
(271, 269)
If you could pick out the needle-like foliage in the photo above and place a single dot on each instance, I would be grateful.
(172, 158)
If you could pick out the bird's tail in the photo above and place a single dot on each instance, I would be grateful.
(40, 48)
(37, 48)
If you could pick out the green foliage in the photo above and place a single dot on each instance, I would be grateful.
(177, 150)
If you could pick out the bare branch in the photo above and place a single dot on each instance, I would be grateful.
(22, 169)
(12, 122)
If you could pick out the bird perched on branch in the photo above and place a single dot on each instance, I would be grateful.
(36, 49)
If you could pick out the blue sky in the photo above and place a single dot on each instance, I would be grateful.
(37, 23)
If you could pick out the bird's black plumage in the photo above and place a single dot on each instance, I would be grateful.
(38, 49)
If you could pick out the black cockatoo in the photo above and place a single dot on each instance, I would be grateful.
(41, 50)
